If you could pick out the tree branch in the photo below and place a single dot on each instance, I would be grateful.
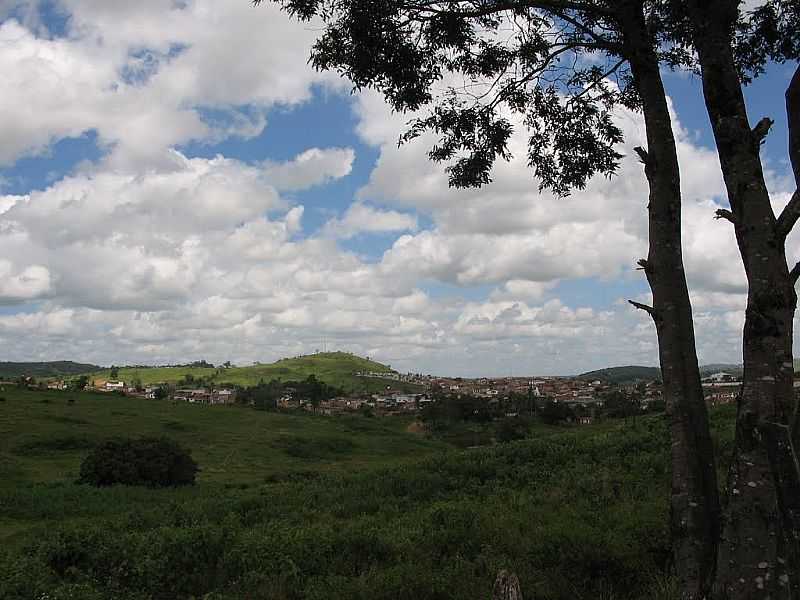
(643, 155)
(788, 216)
(761, 130)
(723, 213)
(648, 309)
(794, 274)
(793, 114)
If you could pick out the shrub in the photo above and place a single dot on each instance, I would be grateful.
(511, 429)
(153, 462)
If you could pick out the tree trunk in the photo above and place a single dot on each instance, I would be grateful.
(694, 498)
(758, 556)
(506, 587)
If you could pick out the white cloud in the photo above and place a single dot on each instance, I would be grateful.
(150, 256)
(30, 283)
(142, 75)
(362, 218)
(311, 168)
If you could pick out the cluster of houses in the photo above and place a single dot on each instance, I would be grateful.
(719, 388)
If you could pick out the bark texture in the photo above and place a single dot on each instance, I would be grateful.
(694, 498)
(758, 553)
(506, 587)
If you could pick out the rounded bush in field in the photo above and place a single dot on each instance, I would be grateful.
(152, 462)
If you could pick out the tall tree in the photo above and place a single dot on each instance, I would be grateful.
(540, 74)
(759, 551)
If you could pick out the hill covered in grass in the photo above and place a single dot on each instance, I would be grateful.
(628, 374)
(337, 369)
(62, 368)
(285, 509)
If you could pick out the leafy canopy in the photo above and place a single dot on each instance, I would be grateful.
(475, 68)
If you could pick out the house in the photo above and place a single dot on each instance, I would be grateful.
(115, 386)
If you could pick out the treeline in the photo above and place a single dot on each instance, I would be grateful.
(265, 395)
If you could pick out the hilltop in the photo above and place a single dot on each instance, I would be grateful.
(338, 369)
(628, 374)
(61, 368)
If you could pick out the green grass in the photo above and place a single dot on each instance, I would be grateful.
(43, 437)
(291, 507)
(334, 368)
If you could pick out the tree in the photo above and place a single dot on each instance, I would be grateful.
(759, 553)
(153, 462)
(114, 374)
(80, 383)
(537, 72)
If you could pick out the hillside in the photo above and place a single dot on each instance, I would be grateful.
(324, 508)
(334, 368)
(629, 374)
(63, 368)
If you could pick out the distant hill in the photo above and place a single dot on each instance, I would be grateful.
(632, 374)
(628, 374)
(334, 368)
(62, 368)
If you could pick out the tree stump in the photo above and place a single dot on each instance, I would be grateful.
(506, 587)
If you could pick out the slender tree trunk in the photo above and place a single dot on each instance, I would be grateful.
(694, 499)
(759, 553)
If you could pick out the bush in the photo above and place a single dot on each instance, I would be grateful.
(153, 462)
(511, 429)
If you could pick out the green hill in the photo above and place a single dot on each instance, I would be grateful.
(629, 374)
(334, 368)
(63, 368)
(291, 507)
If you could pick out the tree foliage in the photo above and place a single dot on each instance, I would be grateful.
(151, 462)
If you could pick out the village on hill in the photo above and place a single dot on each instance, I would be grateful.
(578, 399)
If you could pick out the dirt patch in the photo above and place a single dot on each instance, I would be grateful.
(417, 427)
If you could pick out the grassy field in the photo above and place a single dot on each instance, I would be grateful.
(291, 507)
(334, 368)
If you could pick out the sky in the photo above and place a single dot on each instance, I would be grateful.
(177, 183)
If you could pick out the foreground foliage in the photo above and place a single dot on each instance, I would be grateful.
(577, 514)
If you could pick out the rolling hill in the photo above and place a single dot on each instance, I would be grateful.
(628, 374)
(10, 370)
(632, 373)
(334, 368)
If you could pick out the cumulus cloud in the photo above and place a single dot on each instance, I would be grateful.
(151, 255)
(313, 167)
(150, 75)
(362, 218)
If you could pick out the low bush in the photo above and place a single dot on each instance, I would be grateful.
(152, 462)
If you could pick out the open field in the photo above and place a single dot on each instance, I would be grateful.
(43, 437)
(291, 507)
(334, 368)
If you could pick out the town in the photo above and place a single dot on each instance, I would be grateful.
(579, 399)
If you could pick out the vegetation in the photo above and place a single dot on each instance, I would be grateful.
(154, 462)
(556, 71)
(13, 370)
(349, 508)
(628, 374)
(337, 369)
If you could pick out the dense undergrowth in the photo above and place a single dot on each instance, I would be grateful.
(579, 514)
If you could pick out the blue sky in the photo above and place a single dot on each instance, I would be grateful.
(162, 199)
